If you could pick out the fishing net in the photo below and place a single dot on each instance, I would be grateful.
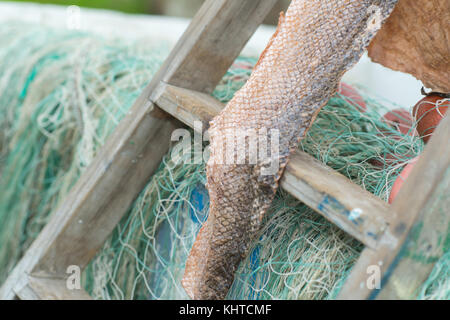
(64, 92)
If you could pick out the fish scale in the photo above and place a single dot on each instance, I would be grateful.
(315, 43)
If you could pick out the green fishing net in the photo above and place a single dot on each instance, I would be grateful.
(61, 95)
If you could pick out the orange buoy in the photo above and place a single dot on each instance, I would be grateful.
(352, 96)
(428, 112)
(401, 179)
(401, 120)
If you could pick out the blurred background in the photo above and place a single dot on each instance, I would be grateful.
(178, 8)
(169, 19)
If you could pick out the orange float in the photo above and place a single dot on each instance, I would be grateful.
(352, 96)
(401, 179)
(428, 112)
(401, 120)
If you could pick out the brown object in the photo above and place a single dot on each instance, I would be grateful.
(416, 40)
(428, 113)
(296, 75)
(401, 120)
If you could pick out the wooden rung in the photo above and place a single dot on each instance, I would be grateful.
(81, 224)
(351, 208)
(334, 196)
(417, 235)
(424, 246)
(188, 106)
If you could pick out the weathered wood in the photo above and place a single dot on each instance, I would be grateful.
(350, 207)
(188, 106)
(81, 224)
(425, 245)
(347, 205)
(421, 203)
(213, 41)
(49, 289)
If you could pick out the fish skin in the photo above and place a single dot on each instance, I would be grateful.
(316, 42)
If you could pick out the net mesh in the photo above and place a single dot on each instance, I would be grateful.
(63, 93)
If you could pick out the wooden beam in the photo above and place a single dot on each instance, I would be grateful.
(94, 206)
(213, 41)
(49, 289)
(347, 205)
(350, 207)
(188, 106)
(421, 205)
(424, 246)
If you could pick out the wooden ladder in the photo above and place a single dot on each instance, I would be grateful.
(403, 240)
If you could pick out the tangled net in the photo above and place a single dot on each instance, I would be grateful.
(63, 93)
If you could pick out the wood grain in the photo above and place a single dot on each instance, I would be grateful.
(424, 246)
(49, 289)
(188, 106)
(213, 41)
(348, 206)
